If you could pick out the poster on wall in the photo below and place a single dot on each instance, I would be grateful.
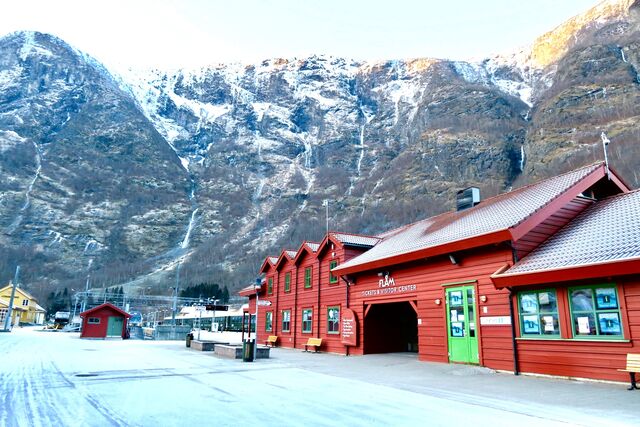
(457, 329)
(606, 298)
(531, 324)
(455, 298)
(549, 326)
(609, 323)
(349, 328)
(529, 303)
(583, 325)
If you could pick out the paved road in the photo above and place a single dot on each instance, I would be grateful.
(57, 379)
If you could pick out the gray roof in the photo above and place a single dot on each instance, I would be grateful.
(608, 230)
(356, 240)
(495, 214)
(291, 254)
(273, 259)
(313, 246)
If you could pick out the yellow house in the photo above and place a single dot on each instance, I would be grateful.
(25, 307)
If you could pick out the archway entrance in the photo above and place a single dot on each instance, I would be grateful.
(390, 328)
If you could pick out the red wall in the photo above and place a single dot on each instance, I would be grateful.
(306, 298)
(566, 357)
(429, 276)
(586, 358)
(331, 295)
(100, 330)
(285, 301)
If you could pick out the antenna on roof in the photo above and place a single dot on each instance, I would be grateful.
(605, 142)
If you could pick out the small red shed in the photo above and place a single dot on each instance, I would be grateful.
(104, 321)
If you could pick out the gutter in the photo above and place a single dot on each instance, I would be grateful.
(514, 343)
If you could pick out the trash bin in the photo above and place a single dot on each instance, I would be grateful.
(189, 338)
(247, 350)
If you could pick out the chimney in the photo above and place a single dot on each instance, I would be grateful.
(467, 198)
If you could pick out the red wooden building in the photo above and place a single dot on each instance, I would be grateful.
(578, 294)
(104, 321)
(441, 286)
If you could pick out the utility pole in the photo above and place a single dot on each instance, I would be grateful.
(86, 287)
(325, 203)
(175, 296)
(7, 320)
(75, 304)
(213, 319)
(257, 288)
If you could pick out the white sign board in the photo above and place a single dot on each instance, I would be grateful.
(201, 308)
(265, 303)
(495, 320)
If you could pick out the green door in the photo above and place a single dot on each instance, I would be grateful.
(461, 325)
(114, 327)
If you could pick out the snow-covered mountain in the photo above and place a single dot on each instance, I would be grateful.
(215, 167)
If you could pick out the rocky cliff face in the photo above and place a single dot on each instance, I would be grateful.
(84, 173)
(219, 166)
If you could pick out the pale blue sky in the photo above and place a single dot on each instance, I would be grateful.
(166, 33)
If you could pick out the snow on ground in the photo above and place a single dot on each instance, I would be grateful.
(49, 378)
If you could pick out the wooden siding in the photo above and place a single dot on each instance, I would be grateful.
(596, 359)
(428, 276)
(586, 358)
(331, 295)
(284, 301)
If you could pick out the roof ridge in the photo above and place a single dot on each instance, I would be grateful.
(594, 165)
(543, 181)
(354, 234)
(483, 201)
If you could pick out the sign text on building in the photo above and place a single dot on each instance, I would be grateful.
(349, 327)
(387, 286)
(495, 320)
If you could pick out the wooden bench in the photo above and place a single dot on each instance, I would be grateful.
(633, 366)
(271, 340)
(313, 342)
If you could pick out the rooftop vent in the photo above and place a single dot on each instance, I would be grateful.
(467, 198)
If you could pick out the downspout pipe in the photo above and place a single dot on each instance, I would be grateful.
(293, 312)
(317, 315)
(513, 334)
(514, 343)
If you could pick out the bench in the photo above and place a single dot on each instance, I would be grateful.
(271, 340)
(633, 366)
(313, 342)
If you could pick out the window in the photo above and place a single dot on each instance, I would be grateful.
(333, 320)
(539, 314)
(94, 320)
(307, 277)
(332, 278)
(25, 302)
(3, 315)
(286, 320)
(268, 321)
(307, 320)
(270, 286)
(595, 311)
(287, 282)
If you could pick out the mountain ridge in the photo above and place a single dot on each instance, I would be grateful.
(225, 163)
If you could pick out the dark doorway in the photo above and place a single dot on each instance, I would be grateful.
(391, 328)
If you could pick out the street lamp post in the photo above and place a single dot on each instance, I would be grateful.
(213, 319)
(325, 203)
(86, 287)
(7, 320)
(175, 297)
(256, 287)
